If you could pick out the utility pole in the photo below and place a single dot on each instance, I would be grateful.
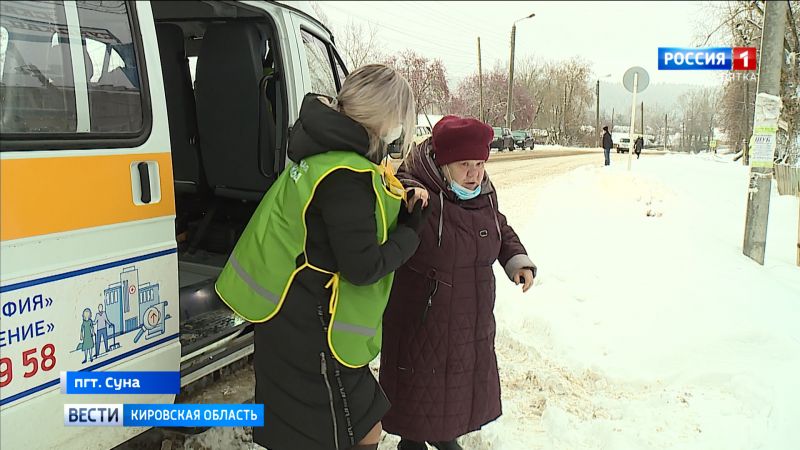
(642, 122)
(665, 132)
(480, 77)
(564, 118)
(711, 133)
(613, 113)
(510, 77)
(747, 119)
(683, 133)
(769, 76)
(511, 71)
(597, 118)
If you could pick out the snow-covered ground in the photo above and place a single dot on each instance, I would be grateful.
(648, 328)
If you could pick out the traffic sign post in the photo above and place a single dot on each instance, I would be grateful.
(635, 80)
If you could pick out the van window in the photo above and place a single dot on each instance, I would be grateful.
(37, 90)
(193, 68)
(320, 65)
(115, 102)
(100, 54)
(3, 49)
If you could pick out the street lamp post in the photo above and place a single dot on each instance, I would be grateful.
(480, 77)
(597, 119)
(511, 70)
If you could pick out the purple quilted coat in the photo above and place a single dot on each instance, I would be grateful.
(438, 365)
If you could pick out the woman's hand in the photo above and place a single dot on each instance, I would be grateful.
(524, 276)
(416, 194)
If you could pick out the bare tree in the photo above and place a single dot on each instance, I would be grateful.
(357, 44)
(574, 76)
(427, 77)
(739, 24)
(466, 102)
(555, 96)
(562, 94)
(533, 77)
(320, 11)
(698, 112)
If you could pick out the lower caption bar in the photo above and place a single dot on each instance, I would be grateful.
(120, 382)
(164, 415)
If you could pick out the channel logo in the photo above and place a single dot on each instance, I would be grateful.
(93, 415)
(164, 415)
(713, 58)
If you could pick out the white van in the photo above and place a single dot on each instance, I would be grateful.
(137, 139)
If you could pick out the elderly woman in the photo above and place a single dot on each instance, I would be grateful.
(438, 365)
(314, 267)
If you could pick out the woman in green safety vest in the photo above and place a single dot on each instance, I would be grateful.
(315, 265)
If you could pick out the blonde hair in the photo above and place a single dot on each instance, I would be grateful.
(379, 98)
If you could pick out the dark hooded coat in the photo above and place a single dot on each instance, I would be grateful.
(312, 402)
(438, 364)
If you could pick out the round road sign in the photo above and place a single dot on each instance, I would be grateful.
(641, 84)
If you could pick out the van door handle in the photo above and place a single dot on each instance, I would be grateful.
(144, 179)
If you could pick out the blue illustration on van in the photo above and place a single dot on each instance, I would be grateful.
(127, 306)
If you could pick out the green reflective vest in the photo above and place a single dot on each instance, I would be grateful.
(256, 278)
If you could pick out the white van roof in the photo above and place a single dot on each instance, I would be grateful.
(304, 7)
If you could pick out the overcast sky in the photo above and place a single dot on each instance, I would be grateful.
(612, 36)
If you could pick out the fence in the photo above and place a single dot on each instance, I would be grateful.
(788, 179)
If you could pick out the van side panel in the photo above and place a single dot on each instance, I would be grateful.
(76, 235)
(36, 190)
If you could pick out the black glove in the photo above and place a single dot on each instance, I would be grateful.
(415, 218)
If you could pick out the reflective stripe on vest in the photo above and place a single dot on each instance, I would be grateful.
(268, 296)
(364, 331)
(263, 262)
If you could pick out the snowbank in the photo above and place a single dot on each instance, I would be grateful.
(648, 328)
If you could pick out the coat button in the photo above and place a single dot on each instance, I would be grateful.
(432, 273)
(484, 233)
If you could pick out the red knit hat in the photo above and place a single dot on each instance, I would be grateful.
(459, 138)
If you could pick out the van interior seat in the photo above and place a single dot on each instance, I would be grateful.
(181, 112)
(235, 118)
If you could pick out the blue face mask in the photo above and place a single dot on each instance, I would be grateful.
(464, 193)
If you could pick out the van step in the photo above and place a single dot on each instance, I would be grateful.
(207, 328)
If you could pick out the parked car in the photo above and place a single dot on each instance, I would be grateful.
(522, 139)
(422, 132)
(503, 140)
(539, 135)
(624, 145)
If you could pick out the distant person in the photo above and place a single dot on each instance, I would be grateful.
(637, 146)
(607, 144)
